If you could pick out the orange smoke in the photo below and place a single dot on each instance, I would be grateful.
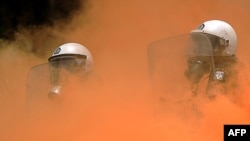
(117, 33)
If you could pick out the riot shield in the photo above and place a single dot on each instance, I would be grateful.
(38, 85)
(178, 68)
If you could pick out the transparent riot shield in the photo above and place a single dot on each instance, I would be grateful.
(38, 85)
(178, 69)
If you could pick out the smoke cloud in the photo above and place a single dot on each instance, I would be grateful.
(26, 14)
(35, 22)
(117, 33)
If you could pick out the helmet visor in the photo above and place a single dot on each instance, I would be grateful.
(72, 64)
(200, 45)
(63, 67)
(217, 44)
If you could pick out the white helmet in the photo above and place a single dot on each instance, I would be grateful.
(68, 50)
(225, 32)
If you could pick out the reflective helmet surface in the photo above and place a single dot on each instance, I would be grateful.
(73, 50)
(224, 31)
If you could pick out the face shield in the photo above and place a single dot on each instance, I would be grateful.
(199, 45)
(222, 64)
(47, 80)
(64, 70)
(206, 52)
(65, 66)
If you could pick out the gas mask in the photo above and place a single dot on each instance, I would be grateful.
(197, 68)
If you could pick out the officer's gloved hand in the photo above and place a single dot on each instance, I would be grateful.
(197, 67)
